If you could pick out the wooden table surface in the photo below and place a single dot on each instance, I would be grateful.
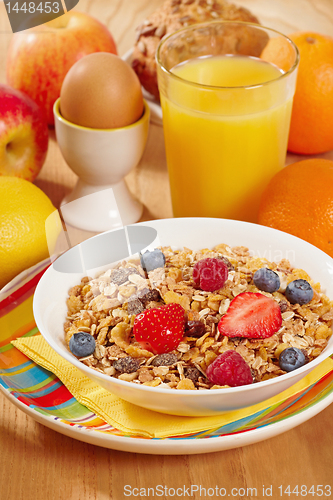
(38, 463)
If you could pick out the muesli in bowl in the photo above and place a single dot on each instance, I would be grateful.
(198, 319)
(110, 316)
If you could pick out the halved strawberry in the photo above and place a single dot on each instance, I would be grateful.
(251, 315)
(160, 330)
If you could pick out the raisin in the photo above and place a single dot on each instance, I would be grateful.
(135, 307)
(227, 263)
(192, 373)
(217, 6)
(194, 329)
(185, 19)
(283, 306)
(165, 359)
(135, 63)
(307, 359)
(255, 375)
(146, 295)
(126, 365)
(148, 31)
(119, 276)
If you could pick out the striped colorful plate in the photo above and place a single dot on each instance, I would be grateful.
(41, 395)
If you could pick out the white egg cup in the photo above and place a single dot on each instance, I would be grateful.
(101, 158)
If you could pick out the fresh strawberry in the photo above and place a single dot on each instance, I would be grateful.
(160, 330)
(210, 274)
(251, 315)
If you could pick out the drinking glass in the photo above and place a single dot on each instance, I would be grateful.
(226, 114)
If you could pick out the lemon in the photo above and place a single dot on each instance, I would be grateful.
(27, 228)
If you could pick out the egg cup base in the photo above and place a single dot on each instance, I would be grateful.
(101, 159)
(100, 208)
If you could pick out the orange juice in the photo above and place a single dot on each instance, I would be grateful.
(226, 123)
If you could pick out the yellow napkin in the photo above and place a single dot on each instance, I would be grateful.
(133, 419)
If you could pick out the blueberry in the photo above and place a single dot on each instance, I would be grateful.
(82, 344)
(152, 260)
(292, 358)
(266, 280)
(299, 292)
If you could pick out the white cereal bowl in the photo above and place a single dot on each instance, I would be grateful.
(102, 251)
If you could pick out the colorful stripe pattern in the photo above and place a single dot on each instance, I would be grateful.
(44, 392)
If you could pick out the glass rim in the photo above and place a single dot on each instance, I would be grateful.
(220, 87)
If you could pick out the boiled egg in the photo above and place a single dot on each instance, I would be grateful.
(101, 91)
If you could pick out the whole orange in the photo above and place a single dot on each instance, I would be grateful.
(279, 51)
(311, 127)
(299, 201)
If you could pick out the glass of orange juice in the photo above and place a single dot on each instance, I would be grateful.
(226, 91)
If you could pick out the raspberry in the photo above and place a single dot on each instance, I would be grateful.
(230, 369)
(210, 274)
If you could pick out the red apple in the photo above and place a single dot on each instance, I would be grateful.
(39, 58)
(23, 135)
